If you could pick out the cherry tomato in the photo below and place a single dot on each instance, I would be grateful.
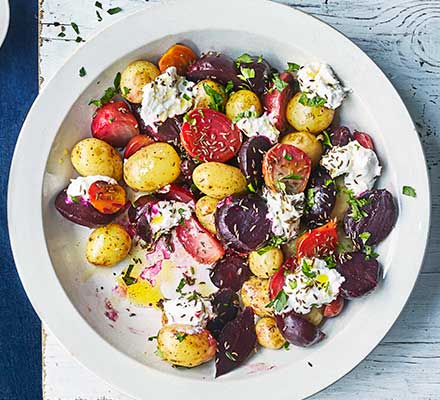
(106, 197)
(209, 135)
(364, 140)
(278, 279)
(318, 242)
(136, 143)
(198, 242)
(115, 124)
(178, 56)
(286, 168)
(334, 308)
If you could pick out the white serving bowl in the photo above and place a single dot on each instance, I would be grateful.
(49, 251)
(4, 20)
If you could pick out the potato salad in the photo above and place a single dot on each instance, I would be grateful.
(242, 168)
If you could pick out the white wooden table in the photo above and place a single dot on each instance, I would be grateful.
(403, 37)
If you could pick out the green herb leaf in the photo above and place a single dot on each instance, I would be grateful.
(278, 83)
(181, 285)
(279, 302)
(244, 58)
(82, 72)
(288, 157)
(293, 284)
(369, 252)
(79, 39)
(245, 114)
(61, 34)
(281, 186)
(246, 73)
(229, 87)
(114, 10)
(260, 59)
(75, 27)
(98, 15)
(191, 121)
(98, 4)
(180, 337)
(129, 280)
(217, 100)
(125, 91)
(117, 82)
(312, 102)
(409, 191)
(356, 206)
(310, 198)
(151, 338)
(365, 236)
(292, 67)
(307, 270)
(330, 261)
(251, 188)
(326, 139)
(292, 176)
(328, 182)
(286, 346)
(274, 241)
(75, 199)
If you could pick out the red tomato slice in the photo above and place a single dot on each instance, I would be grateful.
(318, 242)
(176, 192)
(286, 168)
(106, 197)
(364, 140)
(278, 280)
(136, 143)
(209, 135)
(198, 242)
(334, 308)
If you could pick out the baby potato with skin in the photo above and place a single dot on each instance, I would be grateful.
(266, 264)
(152, 167)
(135, 77)
(202, 99)
(205, 212)
(255, 294)
(108, 245)
(93, 156)
(241, 102)
(306, 142)
(268, 334)
(219, 180)
(305, 118)
(184, 346)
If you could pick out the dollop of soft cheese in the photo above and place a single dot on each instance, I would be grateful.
(166, 215)
(261, 126)
(360, 166)
(320, 286)
(318, 79)
(79, 187)
(195, 311)
(167, 96)
(284, 210)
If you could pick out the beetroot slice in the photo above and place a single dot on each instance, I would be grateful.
(360, 272)
(81, 213)
(236, 342)
(226, 306)
(298, 331)
(241, 222)
(230, 272)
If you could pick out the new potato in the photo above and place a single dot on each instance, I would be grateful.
(255, 294)
(205, 212)
(219, 180)
(152, 167)
(268, 334)
(265, 265)
(181, 345)
(305, 118)
(135, 77)
(202, 99)
(241, 102)
(306, 142)
(93, 156)
(108, 245)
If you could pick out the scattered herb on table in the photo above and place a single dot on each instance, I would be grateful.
(82, 72)
(114, 10)
(409, 191)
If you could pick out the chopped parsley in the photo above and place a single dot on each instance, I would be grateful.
(181, 337)
(217, 100)
(246, 73)
(109, 93)
(245, 114)
(229, 87)
(286, 346)
(292, 67)
(79, 39)
(125, 91)
(114, 10)
(281, 186)
(82, 72)
(312, 102)
(365, 236)
(326, 139)
(98, 15)
(274, 241)
(61, 34)
(310, 198)
(186, 97)
(369, 252)
(293, 284)
(356, 206)
(328, 182)
(75, 199)
(129, 280)
(279, 302)
(278, 83)
(306, 269)
(75, 27)
(251, 188)
(409, 191)
(288, 157)
(98, 4)
(181, 285)
(191, 121)
(244, 58)
(260, 59)
(292, 176)
(151, 338)
(330, 261)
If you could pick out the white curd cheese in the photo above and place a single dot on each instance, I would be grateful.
(79, 187)
(261, 126)
(284, 210)
(166, 215)
(167, 96)
(311, 285)
(195, 312)
(360, 166)
(318, 79)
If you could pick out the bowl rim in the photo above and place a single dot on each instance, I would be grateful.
(55, 308)
(4, 25)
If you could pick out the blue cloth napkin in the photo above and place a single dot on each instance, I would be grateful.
(20, 329)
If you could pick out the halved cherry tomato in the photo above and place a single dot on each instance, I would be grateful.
(209, 135)
(278, 279)
(318, 242)
(178, 56)
(136, 143)
(198, 242)
(334, 308)
(107, 198)
(286, 168)
(364, 140)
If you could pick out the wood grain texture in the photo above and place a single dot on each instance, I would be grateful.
(403, 38)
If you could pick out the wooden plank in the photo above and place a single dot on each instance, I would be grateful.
(402, 37)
